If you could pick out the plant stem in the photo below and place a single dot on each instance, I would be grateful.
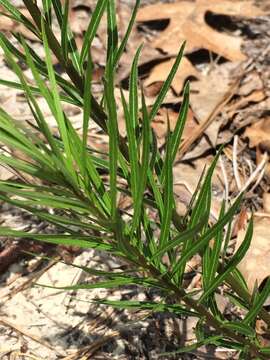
(181, 295)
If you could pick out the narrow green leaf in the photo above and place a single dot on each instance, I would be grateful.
(148, 305)
(64, 31)
(240, 253)
(47, 9)
(132, 148)
(143, 169)
(209, 234)
(131, 120)
(133, 90)
(214, 252)
(239, 328)
(200, 211)
(265, 350)
(127, 34)
(57, 109)
(66, 85)
(202, 206)
(86, 107)
(258, 304)
(112, 31)
(167, 195)
(35, 90)
(57, 6)
(113, 134)
(167, 84)
(33, 170)
(92, 28)
(180, 123)
(86, 242)
(179, 239)
(214, 340)
(113, 283)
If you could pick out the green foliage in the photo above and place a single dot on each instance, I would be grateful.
(68, 187)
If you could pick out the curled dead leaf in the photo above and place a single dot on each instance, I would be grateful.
(259, 134)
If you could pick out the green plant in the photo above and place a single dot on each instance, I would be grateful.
(85, 208)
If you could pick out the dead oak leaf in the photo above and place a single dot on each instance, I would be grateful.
(206, 96)
(187, 22)
(259, 134)
(160, 73)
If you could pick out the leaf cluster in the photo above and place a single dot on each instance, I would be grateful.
(77, 188)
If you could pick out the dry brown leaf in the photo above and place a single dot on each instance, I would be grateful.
(6, 24)
(259, 134)
(78, 20)
(159, 123)
(160, 73)
(250, 83)
(206, 96)
(187, 22)
(5, 174)
(257, 254)
(256, 96)
(266, 202)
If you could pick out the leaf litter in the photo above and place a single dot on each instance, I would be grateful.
(224, 39)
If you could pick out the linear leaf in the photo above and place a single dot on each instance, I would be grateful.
(258, 304)
(127, 34)
(167, 195)
(64, 31)
(148, 305)
(240, 253)
(143, 169)
(85, 242)
(167, 84)
(180, 124)
(113, 134)
(209, 234)
(56, 106)
(179, 239)
(112, 31)
(92, 28)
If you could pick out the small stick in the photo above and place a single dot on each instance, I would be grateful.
(260, 168)
(235, 166)
(225, 179)
(258, 180)
(30, 336)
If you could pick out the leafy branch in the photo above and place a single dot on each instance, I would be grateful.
(67, 186)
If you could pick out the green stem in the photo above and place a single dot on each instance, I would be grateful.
(181, 295)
